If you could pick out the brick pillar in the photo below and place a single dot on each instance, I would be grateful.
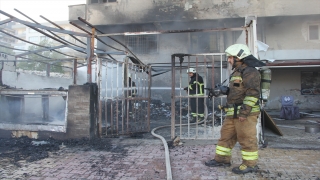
(82, 104)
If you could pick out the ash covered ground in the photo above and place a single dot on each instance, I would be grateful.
(14, 150)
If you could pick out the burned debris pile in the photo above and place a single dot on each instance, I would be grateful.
(26, 149)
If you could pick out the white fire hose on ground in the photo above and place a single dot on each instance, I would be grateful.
(167, 156)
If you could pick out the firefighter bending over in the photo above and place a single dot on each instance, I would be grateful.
(196, 90)
(242, 111)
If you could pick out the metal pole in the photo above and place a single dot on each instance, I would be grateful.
(75, 71)
(1, 68)
(149, 95)
(48, 70)
(90, 51)
(173, 114)
(99, 83)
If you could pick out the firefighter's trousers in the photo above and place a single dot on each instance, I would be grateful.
(197, 106)
(245, 133)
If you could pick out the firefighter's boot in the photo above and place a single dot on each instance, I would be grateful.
(200, 119)
(214, 163)
(243, 169)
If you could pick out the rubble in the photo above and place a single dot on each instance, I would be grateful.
(14, 150)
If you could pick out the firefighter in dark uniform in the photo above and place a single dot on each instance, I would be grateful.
(242, 111)
(196, 89)
(132, 91)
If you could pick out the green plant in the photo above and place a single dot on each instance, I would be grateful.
(37, 63)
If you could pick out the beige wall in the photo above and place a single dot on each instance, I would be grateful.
(291, 33)
(287, 81)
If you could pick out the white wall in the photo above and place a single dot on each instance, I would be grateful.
(30, 81)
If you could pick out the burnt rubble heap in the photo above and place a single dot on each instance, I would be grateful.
(14, 150)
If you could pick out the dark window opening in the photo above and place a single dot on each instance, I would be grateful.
(310, 83)
(314, 32)
(204, 42)
(94, 1)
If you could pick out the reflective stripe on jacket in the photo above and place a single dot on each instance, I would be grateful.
(245, 91)
(196, 85)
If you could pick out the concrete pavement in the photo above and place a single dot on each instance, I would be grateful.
(294, 156)
(144, 160)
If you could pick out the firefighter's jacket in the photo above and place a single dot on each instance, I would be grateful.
(196, 86)
(244, 93)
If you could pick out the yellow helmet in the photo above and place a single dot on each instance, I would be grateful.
(238, 50)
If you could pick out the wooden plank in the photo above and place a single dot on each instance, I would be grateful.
(269, 123)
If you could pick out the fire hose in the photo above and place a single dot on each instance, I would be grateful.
(167, 157)
(166, 149)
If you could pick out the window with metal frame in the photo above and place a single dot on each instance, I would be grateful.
(142, 44)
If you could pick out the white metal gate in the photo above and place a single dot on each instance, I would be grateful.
(211, 67)
(208, 66)
(124, 89)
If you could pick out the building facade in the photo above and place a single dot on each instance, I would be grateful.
(291, 29)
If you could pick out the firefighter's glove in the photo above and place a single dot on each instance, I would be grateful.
(211, 93)
(223, 108)
(186, 89)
